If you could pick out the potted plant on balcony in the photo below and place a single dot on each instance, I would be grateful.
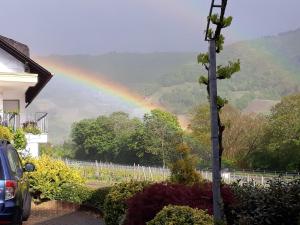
(31, 127)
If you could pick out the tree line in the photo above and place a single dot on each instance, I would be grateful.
(256, 141)
(251, 141)
(121, 139)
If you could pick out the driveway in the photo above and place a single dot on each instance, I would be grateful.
(58, 213)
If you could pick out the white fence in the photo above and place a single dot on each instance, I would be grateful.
(109, 172)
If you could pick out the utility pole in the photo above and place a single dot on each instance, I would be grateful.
(212, 91)
(217, 202)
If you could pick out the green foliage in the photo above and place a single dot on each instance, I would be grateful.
(5, 133)
(74, 193)
(242, 136)
(278, 203)
(280, 142)
(96, 198)
(181, 215)
(115, 201)
(225, 72)
(203, 58)
(19, 140)
(200, 125)
(83, 195)
(226, 22)
(183, 170)
(118, 138)
(203, 80)
(163, 134)
(66, 150)
(221, 102)
(52, 178)
(95, 137)
(219, 43)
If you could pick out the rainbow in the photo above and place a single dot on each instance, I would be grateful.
(100, 83)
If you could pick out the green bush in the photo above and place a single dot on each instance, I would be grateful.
(181, 215)
(183, 170)
(74, 193)
(96, 198)
(53, 179)
(83, 195)
(115, 201)
(6, 134)
(20, 140)
(278, 203)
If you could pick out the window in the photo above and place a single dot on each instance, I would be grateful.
(11, 106)
(11, 109)
(14, 161)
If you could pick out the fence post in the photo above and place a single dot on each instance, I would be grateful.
(151, 174)
(262, 180)
(145, 177)
(97, 169)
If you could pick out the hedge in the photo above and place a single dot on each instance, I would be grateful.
(181, 215)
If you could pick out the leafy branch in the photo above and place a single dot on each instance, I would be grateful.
(223, 71)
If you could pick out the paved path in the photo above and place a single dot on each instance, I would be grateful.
(57, 213)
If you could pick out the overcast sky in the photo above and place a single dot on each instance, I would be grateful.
(100, 26)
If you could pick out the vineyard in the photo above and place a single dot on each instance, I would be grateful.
(108, 174)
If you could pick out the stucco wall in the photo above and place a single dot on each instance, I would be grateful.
(9, 64)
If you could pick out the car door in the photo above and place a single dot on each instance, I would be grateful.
(16, 172)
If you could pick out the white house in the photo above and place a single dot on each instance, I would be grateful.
(21, 80)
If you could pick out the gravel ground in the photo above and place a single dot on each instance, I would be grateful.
(58, 213)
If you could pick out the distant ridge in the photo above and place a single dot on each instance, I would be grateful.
(260, 106)
(270, 69)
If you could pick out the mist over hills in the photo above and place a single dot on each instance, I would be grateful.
(269, 70)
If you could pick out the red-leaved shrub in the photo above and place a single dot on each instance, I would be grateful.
(146, 204)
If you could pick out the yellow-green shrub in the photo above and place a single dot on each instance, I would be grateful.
(115, 201)
(20, 140)
(183, 170)
(6, 134)
(52, 178)
(181, 215)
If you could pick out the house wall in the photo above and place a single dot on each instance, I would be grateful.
(33, 142)
(10, 64)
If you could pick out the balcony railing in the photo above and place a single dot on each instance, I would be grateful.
(38, 120)
(11, 120)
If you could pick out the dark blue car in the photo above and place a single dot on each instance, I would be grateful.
(15, 199)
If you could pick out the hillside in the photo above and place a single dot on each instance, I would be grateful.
(270, 69)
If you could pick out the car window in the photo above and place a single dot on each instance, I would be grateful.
(14, 161)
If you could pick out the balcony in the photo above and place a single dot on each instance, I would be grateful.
(36, 123)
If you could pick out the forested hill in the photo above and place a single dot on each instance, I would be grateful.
(269, 69)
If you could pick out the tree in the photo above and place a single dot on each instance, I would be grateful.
(200, 126)
(163, 134)
(95, 137)
(114, 138)
(183, 170)
(280, 145)
(241, 137)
